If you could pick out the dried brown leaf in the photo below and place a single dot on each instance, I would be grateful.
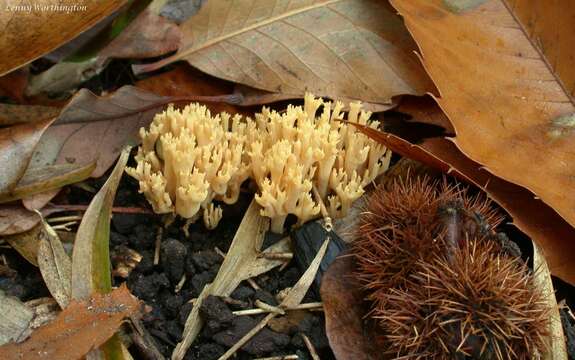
(508, 106)
(81, 327)
(26, 243)
(39, 180)
(149, 35)
(92, 128)
(15, 219)
(343, 304)
(17, 145)
(344, 49)
(15, 318)
(12, 85)
(28, 33)
(55, 265)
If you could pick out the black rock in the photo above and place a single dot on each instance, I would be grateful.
(174, 330)
(201, 280)
(146, 287)
(185, 311)
(117, 239)
(124, 223)
(266, 297)
(263, 342)
(213, 308)
(146, 265)
(172, 304)
(205, 260)
(143, 236)
(173, 258)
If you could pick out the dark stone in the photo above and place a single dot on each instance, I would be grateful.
(117, 239)
(290, 277)
(124, 223)
(143, 237)
(263, 342)
(173, 257)
(146, 287)
(213, 308)
(205, 260)
(266, 297)
(201, 280)
(210, 351)
(146, 265)
(172, 304)
(243, 293)
(174, 330)
(185, 311)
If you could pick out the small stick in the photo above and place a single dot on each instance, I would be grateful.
(232, 301)
(310, 347)
(65, 227)
(276, 255)
(220, 252)
(158, 244)
(308, 306)
(284, 357)
(247, 337)
(72, 218)
(269, 308)
(180, 284)
(117, 209)
(253, 284)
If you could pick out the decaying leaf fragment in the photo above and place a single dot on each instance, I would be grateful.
(342, 49)
(81, 327)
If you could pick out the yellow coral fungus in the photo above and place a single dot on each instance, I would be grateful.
(189, 158)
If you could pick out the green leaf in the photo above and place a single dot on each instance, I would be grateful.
(91, 257)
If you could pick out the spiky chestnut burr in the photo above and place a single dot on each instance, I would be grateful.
(476, 304)
(405, 223)
(420, 230)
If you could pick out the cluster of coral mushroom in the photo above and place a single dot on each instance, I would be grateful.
(189, 158)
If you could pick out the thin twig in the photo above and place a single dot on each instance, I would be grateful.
(116, 209)
(253, 284)
(308, 306)
(63, 219)
(281, 357)
(180, 284)
(310, 347)
(159, 235)
(276, 255)
(269, 308)
(65, 227)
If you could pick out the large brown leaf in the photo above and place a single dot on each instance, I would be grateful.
(78, 329)
(92, 128)
(17, 145)
(508, 107)
(344, 49)
(29, 31)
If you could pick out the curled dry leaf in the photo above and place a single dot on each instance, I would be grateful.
(92, 128)
(54, 264)
(43, 30)
(530, 215)
(12, 85)
(344, 309)
(15, 219)
(344, 49)
(149, 35)
(81, 327)
(26, 243)
(39, 180)
(511, 112)
(15, 319)
(91, 267)
(17, 145)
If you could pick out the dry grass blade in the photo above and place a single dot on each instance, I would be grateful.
(55, 265)
(509, 108)
(293, 299)
(242, 262)
(542, 277)
(344, 49)
(91, 257)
